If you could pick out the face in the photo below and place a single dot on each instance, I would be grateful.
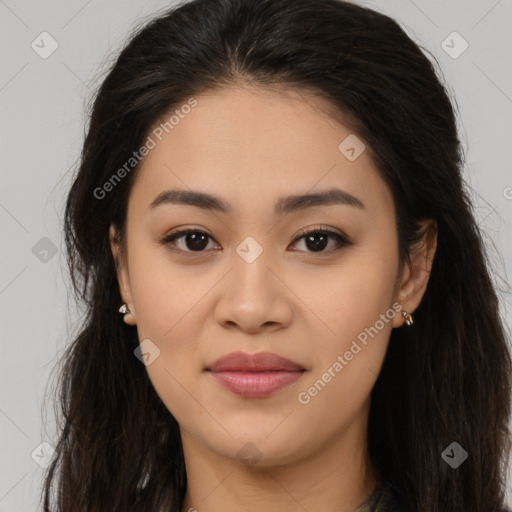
(249, 279)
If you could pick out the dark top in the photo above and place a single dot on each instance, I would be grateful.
(385, 498)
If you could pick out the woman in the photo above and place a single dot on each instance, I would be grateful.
(271, 194)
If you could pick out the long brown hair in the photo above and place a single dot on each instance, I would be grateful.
(446, 378)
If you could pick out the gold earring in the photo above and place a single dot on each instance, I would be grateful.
(408, 318)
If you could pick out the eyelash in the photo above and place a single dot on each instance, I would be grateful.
(341, 240)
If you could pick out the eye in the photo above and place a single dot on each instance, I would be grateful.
(191, 240)
(318, 239)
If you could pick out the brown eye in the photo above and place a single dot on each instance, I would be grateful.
(191, 240)
(318, 239)
(315, 241)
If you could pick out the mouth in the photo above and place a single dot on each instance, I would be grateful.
(255, 375)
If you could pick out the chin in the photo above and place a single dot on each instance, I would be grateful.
(260, 450)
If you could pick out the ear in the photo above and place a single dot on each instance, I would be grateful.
(122, 275)
(415, 275)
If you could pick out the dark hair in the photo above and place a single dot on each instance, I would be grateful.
(446, 378)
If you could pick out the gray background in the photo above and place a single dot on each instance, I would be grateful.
(42, 124)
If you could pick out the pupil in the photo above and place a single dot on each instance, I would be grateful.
(199, 241)
(317, 246)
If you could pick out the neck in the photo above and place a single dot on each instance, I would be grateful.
(338, 476)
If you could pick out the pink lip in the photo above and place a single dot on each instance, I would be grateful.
(255, 375)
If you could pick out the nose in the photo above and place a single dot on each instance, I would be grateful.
(254, 298)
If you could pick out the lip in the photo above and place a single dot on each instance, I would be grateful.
(255, 375)
(260, 362)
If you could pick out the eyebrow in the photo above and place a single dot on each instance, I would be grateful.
(284, 205)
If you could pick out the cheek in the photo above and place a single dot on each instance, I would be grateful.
(351, 297)
(354, 304)
(162, 291)
(348, 362)
(172, 306)
(167, 303)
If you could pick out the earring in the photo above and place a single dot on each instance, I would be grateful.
(127, 314)
(124, 309)
(408, 318)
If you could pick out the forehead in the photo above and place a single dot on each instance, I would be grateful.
(252, 145)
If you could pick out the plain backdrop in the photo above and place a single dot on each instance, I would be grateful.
(53, 56)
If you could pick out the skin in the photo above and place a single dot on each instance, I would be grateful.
(250, 147)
